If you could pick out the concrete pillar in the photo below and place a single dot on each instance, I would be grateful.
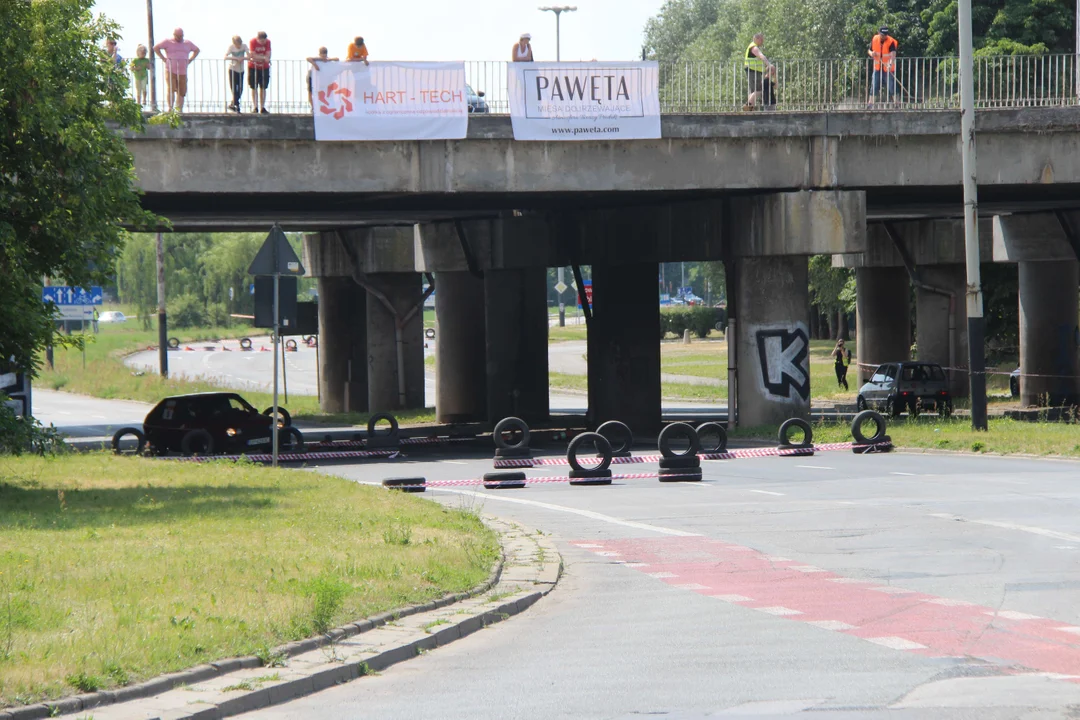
(460, 373)
(933, 316)
(1048, 332)
(883, 319)
(516, 323)
(773, 342)
(404, 292)
(343, 376)
(624, 347)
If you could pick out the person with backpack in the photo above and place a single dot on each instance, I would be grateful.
(842, 360)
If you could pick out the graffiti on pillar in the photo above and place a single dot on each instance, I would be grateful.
(784, 358)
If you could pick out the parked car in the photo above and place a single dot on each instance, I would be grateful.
(476, 101)
(215, 423)
(112, 316)
(910, 386)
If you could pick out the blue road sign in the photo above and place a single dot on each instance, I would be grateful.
(62, 295)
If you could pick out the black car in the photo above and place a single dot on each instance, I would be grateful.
(215, 423)
(910, 386)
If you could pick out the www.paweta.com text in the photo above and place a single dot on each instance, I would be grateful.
(584, 131)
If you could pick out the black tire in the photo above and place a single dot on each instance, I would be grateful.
(796, 423)
(406, 484)
(245, 343)
(680, 463)
(860, 404)
(290, 440)
(617, 432)
(603, 449)
(122, 433)
(590, 477)
(510, 425)
(283, 415)
(505, 480)
(174, 343)
(712, 428)
(379, 417)
(197, 442)
(515, 452)
(291, 345)
(879, 427)
(688, 475)
(430, 333)
(678, 429)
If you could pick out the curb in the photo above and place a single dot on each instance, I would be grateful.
(236, 685)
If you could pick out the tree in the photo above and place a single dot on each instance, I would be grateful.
(66, 178)
(832, 290)
(1004, 27)
(677, 25)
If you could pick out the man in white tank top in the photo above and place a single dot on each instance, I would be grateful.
(523, 49)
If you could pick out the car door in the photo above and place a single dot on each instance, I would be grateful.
(873, 394)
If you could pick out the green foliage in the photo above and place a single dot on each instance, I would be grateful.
(831, 289)
(327, 593)
(22, 435)
(699, 320)
(67, 180)
(187, 312)
(1003, 27)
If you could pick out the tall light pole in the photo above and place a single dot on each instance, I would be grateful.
(559, 10)
(153, 65)
(976, 324)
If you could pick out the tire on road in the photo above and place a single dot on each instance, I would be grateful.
(504, 480)
(712, 428)
(675, 430)
(245, 343)
(619, 435)
(680, 463)
(174, 343)
(603, 450)
(796, 424)
(291, 345)
(197, 442)
(510, 425)
(687, 475)
(290, 440)
(120, 434)
(283, 415)
(430, 333)
(406, 484)
(376, 419)
(879, 427)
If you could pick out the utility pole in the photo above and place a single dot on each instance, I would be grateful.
(976, 324)
(150, 53)
(162, 324)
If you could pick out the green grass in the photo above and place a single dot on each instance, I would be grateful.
(570, 332)
(114, 570)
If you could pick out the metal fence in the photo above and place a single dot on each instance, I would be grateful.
(720, 87)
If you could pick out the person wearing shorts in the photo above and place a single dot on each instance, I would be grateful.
(177, 53)
(140, 71)
(259, 71)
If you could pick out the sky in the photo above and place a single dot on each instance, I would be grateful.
(604, 30)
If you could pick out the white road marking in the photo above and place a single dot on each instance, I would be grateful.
(903, 473)
(661, 575)
(1054, 676)
(1069, 629)
(1012, 615)
(830, 624)
(609, 553)
(1064, 547)
(778, 610)
(586, 545)
(949, 602)
(890, 590)
(896, 643)
(575, 511)
(733, 598)
(807, 569)
(454, 462)
(777, 558)
(766, 492)
(1012, 526)
(815, 467)
(847, 580)
(632, 564)
(693, 586)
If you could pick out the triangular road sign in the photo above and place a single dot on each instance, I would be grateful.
(276, 256)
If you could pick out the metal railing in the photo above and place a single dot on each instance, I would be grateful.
(718, 87)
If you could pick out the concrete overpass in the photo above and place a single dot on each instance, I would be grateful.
(760, 191)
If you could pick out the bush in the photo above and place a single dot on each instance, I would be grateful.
(19, 435)
(700, 320)
(187, 312)
(665, 324)
(218, 315)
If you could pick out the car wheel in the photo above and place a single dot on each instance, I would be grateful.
(290, 440)
(119, 435)
(284, 418)
(860, 403)
(896, 408)
(197, 442)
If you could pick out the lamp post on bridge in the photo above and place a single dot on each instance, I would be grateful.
(153, 65)
(559, 10)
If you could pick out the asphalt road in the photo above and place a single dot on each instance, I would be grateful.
(836, 586)
(81, 416)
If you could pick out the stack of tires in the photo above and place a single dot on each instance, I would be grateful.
(684, 466)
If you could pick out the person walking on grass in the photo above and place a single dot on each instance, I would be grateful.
(177, 53)
(236, 54)
(842, 360)
(259, 71)
(322, 57)
(140, 71)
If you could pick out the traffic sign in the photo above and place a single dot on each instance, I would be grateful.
(560, 287)
(61, 295)
(588, 292)
(276, 256)
(75, 312)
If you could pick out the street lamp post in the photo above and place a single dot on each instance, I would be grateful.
(153, 65)
(559, 10)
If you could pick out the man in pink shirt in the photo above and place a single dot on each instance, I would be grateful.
(176, 53)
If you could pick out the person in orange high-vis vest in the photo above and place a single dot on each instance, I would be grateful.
(883, 50)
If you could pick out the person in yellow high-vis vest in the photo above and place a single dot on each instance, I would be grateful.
(757, 67)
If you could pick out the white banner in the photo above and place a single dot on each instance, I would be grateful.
(585, 101)
(390, 101)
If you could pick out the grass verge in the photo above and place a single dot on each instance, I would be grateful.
(113, 570)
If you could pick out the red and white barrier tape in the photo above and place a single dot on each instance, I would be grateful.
(732, 455)
(534, 481)
(294, 457)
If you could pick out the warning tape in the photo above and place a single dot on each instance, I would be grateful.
(534, 481)
(403, 441)
(295, 457)
(732, 455)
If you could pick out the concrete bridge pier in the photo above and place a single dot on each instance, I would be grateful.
(460, 364)
(624, 347)
(941, 322)
(516, 341)
(343, 377)
(1047, 249)
(403, 292)
(882, 319)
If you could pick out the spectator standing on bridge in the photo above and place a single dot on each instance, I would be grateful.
(883, 50)
(259, 71)
(757, 67)
(522, 51)
(322, 57)
(842, 360)
(140, 71)
(357, 51)
(177, 53)
(236, 55)
(114, 53)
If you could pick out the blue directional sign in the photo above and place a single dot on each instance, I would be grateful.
(61, 295)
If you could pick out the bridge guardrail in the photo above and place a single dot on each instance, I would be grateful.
(930, 83)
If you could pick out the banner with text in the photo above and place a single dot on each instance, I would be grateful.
(585, 101)
(390, 101)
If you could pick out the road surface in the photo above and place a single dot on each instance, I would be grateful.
(835, 586)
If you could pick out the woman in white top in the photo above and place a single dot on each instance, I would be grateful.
(236, 55)
(523, 49)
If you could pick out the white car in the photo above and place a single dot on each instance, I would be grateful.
(112, 316)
